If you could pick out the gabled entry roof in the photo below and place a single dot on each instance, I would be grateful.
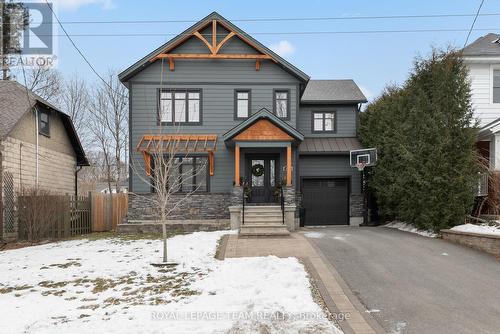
(263, 114)
(185, 35)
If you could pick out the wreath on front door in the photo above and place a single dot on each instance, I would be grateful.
(257, 170)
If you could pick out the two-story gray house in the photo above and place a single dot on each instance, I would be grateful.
(256, 121)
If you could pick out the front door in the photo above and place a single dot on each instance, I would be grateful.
(261, 176)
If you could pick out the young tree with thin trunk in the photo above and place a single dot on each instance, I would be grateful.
(174, 177)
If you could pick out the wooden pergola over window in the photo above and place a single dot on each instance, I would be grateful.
(214, 45)
(185, 144)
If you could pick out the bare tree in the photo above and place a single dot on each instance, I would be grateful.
(108, 124)
(173, 177)
(45, 82)
(14, 17)
(99, 113)
(117, 95)
(74, 101)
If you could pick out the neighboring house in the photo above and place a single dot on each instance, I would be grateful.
(54, 138)
(262, 120)
(483, 60)
(102, 187)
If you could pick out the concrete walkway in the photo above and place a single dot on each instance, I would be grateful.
(337, 296)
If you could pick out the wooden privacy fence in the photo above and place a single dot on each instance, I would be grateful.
(60, 216)
(108, 210)
(53, 216)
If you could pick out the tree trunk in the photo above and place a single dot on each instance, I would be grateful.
(164, 230)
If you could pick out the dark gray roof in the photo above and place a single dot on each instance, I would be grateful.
(332, 91)
(16, 101)
(488, 45)
(126, 74)
(329, 145)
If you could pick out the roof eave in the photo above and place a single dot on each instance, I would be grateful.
(262, 114)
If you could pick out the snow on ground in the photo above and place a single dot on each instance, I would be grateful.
(109, 286)
(314, 235)
(482, 229)
(410, 228)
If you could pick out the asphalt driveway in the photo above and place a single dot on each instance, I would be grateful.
(414, 284)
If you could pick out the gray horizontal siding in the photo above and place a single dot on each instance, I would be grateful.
(330, 166)
(346, 120)
(214, 71)
(217, 118)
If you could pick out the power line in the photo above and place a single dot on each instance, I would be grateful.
(78, 50)
(473, 22)
(281, 33)
(280, 19)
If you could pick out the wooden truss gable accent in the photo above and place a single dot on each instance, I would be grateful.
(185, 144)
(263, 130)
(213, 47)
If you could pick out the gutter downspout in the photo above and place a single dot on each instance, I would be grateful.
(36, 160)
(78, 168)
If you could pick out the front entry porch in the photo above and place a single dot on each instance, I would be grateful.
(264, 147)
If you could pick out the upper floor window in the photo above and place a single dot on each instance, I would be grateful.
(44, 123)
(323, 122)
(281, 103)
(242, 103)
(180, 106)
(496, 86)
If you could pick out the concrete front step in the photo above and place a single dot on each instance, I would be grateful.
(264, 231)
(278, 219)
(262, 209)
(262, 214)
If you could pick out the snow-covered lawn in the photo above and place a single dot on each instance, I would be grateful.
(410, 228)
(481, 229)
(109, 286)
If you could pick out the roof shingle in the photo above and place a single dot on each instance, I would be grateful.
(332, 91)
(488, 45)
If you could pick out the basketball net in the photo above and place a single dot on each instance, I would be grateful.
(360, 166)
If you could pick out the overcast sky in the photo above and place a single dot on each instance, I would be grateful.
(372, 60)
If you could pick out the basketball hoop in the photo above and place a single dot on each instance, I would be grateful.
(360, 166)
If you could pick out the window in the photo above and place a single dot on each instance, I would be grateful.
(44, 123)
(242, 103)
(323, 122)
(188, 174)
(496, 86)
(182, 107)
(281, 103)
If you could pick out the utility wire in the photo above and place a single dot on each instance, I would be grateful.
(79, 51)
(473, 23)
(280, 19)
(281, 33)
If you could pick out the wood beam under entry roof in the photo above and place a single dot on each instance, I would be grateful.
(213, 47)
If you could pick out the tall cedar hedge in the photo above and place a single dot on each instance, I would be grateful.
(425, 135)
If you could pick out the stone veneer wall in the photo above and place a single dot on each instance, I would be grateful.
(206, 206)
(356, 205)
(483, 242)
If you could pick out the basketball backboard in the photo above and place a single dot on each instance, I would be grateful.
(366, 156)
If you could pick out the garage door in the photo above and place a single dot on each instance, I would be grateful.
(326, 201)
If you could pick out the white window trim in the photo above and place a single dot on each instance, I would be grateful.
(493, 67)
